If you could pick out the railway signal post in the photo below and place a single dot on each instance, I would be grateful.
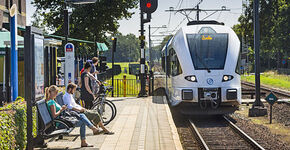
(148, 7)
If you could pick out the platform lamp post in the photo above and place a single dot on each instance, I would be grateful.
(66, 18)
(66, 14)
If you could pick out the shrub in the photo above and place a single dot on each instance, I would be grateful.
(13, 126)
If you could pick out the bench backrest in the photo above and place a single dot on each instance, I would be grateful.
(59, 99)
(43, 111)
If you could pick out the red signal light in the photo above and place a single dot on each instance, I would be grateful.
(148, 5)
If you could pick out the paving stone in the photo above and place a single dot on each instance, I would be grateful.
(141, 123)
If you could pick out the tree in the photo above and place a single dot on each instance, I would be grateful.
(156, 50)
(274, 31)
(128, 48)
(87, 21)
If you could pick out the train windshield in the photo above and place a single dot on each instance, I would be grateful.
(208, 51)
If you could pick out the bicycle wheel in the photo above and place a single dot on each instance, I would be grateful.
(105, 110)
(115, 109)
(99, 99)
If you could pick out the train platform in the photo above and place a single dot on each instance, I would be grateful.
(141, 123)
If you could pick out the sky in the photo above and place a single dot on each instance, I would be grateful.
(172, 20)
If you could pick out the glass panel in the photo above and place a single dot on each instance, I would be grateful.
(208, 51)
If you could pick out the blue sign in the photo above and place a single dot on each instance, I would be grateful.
(271, 98)
(69, 47)
(209, 81)
(283, 61)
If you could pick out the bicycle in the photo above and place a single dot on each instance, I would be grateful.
(106, 108)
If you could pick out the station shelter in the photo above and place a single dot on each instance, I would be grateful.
(4, 71)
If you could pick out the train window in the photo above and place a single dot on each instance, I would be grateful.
(168, 65)
(238, 67)
(208, 51)
(206, 30)
(175, 65)
(163, 63)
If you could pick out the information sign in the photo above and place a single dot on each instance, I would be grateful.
(271, 99)
(69, 64)
(38, 67)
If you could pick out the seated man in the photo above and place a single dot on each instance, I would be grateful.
(92, 115)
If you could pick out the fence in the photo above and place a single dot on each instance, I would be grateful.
(125, 87)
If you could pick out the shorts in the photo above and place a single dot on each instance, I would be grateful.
(93, 115)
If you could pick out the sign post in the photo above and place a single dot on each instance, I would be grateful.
(33, 77)
(271, 99)
(69, 64)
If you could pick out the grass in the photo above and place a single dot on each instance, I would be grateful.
(271, 79)
(129, 89)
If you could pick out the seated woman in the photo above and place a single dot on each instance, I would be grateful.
(55, 110)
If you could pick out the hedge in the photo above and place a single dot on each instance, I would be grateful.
(13, 126)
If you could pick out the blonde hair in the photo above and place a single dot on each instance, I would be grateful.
(50, 89)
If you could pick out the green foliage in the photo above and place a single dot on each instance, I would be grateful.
(128, 48)
(274, 29)
(13, 125)
(86, 21)
(156, 50)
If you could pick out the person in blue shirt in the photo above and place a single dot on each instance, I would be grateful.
(55, 110)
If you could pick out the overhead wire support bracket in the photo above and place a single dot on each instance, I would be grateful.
(184, 10)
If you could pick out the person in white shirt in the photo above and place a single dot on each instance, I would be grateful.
(92, 115)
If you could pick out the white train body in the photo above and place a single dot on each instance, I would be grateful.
(202, 67)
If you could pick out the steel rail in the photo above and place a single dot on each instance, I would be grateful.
(199, 138)
(244, 135)
(282, 93)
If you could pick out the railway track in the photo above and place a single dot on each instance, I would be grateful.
(220, 133)
(279, 93)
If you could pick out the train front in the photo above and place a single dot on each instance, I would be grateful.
(210, 69)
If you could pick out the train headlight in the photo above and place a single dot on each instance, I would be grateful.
(191, 78)
(227, 78)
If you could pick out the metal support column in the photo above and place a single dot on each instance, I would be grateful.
(28, 84)
(142, 92)
(14, 52)
(114, 40)
(7, 77)
(150, 50)
(258, 107)
(197, 12)
(257, 53)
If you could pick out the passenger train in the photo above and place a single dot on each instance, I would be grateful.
(201, 62)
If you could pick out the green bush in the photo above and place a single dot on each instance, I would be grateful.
(13, 125)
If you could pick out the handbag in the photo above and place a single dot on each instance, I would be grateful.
(71, 118)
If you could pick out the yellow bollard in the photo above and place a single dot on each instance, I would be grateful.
(124, 85)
